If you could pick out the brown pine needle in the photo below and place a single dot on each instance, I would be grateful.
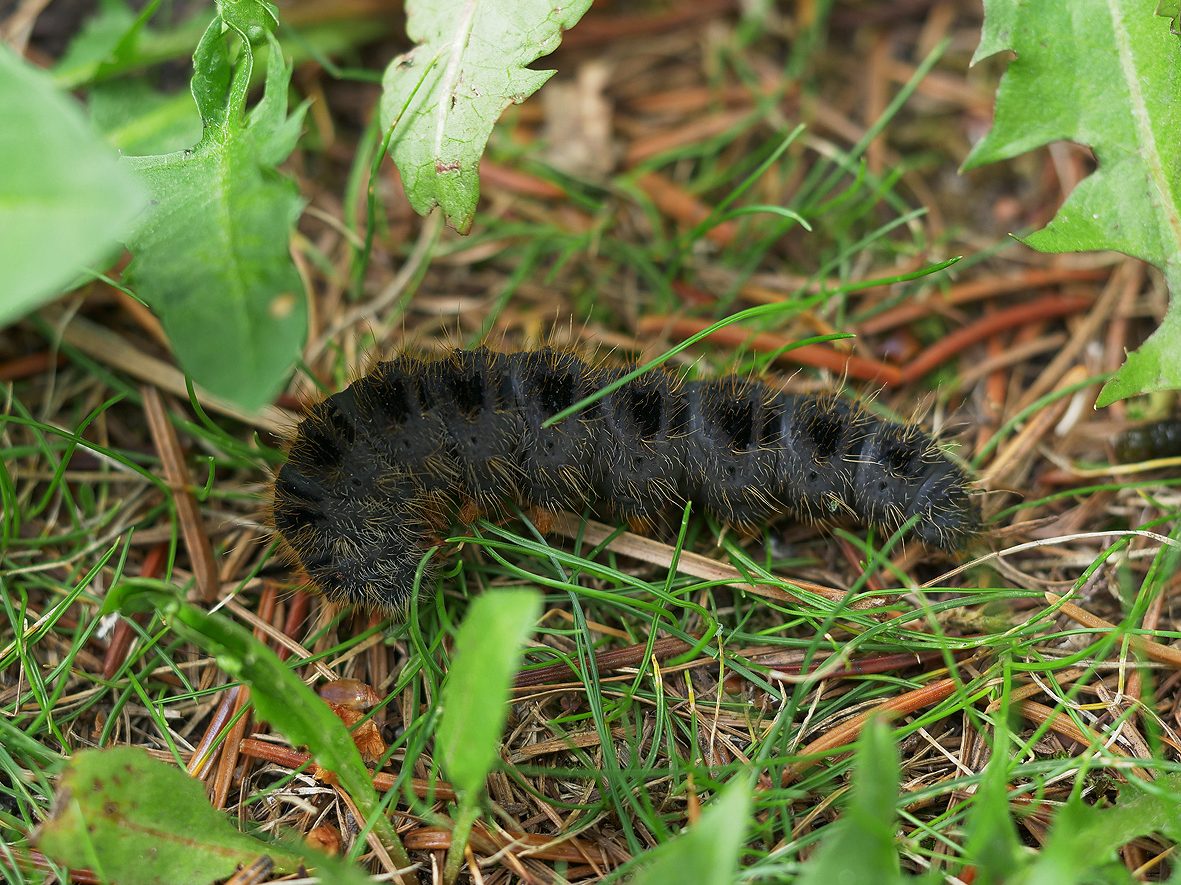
(1154, 651)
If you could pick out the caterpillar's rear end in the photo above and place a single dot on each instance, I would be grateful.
(380, 469)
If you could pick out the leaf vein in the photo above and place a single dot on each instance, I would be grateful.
(1142, 119)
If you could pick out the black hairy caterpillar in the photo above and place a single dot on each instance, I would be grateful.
(1161, 439)
(377, 470)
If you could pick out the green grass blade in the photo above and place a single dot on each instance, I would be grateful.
(475, 699)
(992, 843)
(476, 692)
(862, 847)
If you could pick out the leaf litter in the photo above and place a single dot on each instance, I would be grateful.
(638, 727)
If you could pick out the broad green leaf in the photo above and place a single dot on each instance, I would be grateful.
(709, 851)
(861, 846)
(132, 818)
(1084, 840)
(476, 694)
(446, 94)
(475, 702)
(212, 257)
(279, 696)
(65, 201)
(1107, 74)
(993, 846)
(1070, 854)
(1139, 811)
(213, 76)
(137, 119)
(1156, 364)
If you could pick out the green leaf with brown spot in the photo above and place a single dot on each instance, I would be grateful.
(131, 818)
(446, 94)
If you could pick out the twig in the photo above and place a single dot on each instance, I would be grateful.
(176, 472)
(124, 633)
(693, 564)
(684, 208)
(953, 345)
(1154, 651)
(765, 342)
(21, 367)
(612, 659)
(977, 290)
(1009, 462)
(119, 353)
(1127, 278)
(278, 754)
(847, 732)
(542, 847)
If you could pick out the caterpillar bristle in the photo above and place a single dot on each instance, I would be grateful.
(378, 471)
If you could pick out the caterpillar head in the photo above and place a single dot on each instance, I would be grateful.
(356, 521)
